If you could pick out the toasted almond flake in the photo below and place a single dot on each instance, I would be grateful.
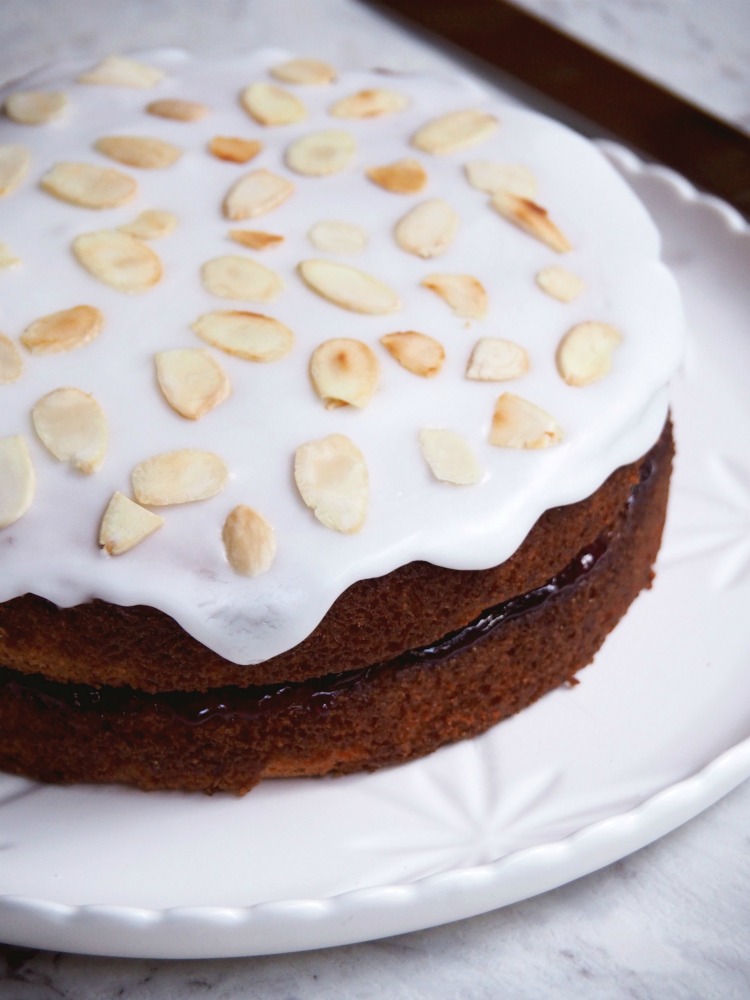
(35, 107)
(139, 151)
(234, 277)
(17, 480)
(493, 177)
(449, 457)
(272, 105)
(119, 71)
(7, 258)
(349, 288)
(255, 194)
(255, 239)
(332, 236)
(464, 294)
(331, 476)
(531, 218)
(249, 541)
(63, 331)
(14, 164)
(11, 362)
(246, 335)
(416, 352)
(234, 149)
(401, 177)
(119, 260)
(370, 104)
(345, 372)
(517, 423)
(89, 186)
(560, 283)
(321, 153)
(71, 425)
(192, 380)
(454, 131)
(151, 224)
(179, 477)
(177, 109)
(306, 72)
(585, 352)
(496, 360)
(428, 229)
(125, 524)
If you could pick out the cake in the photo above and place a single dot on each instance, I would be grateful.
(334, 420)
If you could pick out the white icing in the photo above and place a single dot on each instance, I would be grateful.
(52, 551)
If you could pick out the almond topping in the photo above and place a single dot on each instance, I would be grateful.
(35, 107)
(531, 218)
(344, 372)
(234, 277)
(88, 186)
(585, 352)
(428, 229)
(125, 524)
(179, 477)
(192, 381)
(497, 360)
(139, 151)
(454, 131)
(369, 104)
(255, 194)
(11, 362)
(14, 163)
(234, 149)
(401, 177)
(271, 105)
(449, 457)
(150, 224)
(119, 71)
(71, 425)
(517, 423)
(308, 72)
(255, 239)
(331, 476)
(416, 352)
(246, 335)
(463, 293)
(493, 177)
(349, 288)
(177, 109)
(7, 258)
(560, 283)
(63, 331)
(17, 481)
(119, 260)
(321, 153)
(249, 541)
(337, 237)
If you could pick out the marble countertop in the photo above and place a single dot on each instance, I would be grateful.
(672, 920)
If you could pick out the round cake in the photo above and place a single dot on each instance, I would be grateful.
(334, 416)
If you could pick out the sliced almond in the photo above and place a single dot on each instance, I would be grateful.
(17, 480)
(11, 362)
(255, 194)
(234, 277)
(496, 360)
(349, 288)
(35, 107)
(307, 72)
(249, 541)
(14, 164)
(139, 151)
(464, 294)
(192, 380)
(332, 236)
(151, 224)
(246, 335)
(331, 476)
(345, 372)
(401, 177)
(454, 131)
(560, 283)
(179, 477)
(321, 153)
(7, 258)
(234, 149)
(531, 218)
(255, 239)
(517, 423)
(178, 110)
(585, 352)
(119, 260)
(63, 331)
(428, 229)
(89, 186)
(71, 425)
(493, 177)
(119, 71)
(372, 103)
(271, 105)
(449, 457)
(416, 352)
(125, 524)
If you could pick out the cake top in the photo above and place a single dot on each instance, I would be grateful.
(267, 330)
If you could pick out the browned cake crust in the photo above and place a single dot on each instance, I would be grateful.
(595, 556)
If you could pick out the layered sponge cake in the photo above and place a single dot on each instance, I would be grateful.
(333, 417)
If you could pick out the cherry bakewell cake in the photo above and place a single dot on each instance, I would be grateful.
(334, 416)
